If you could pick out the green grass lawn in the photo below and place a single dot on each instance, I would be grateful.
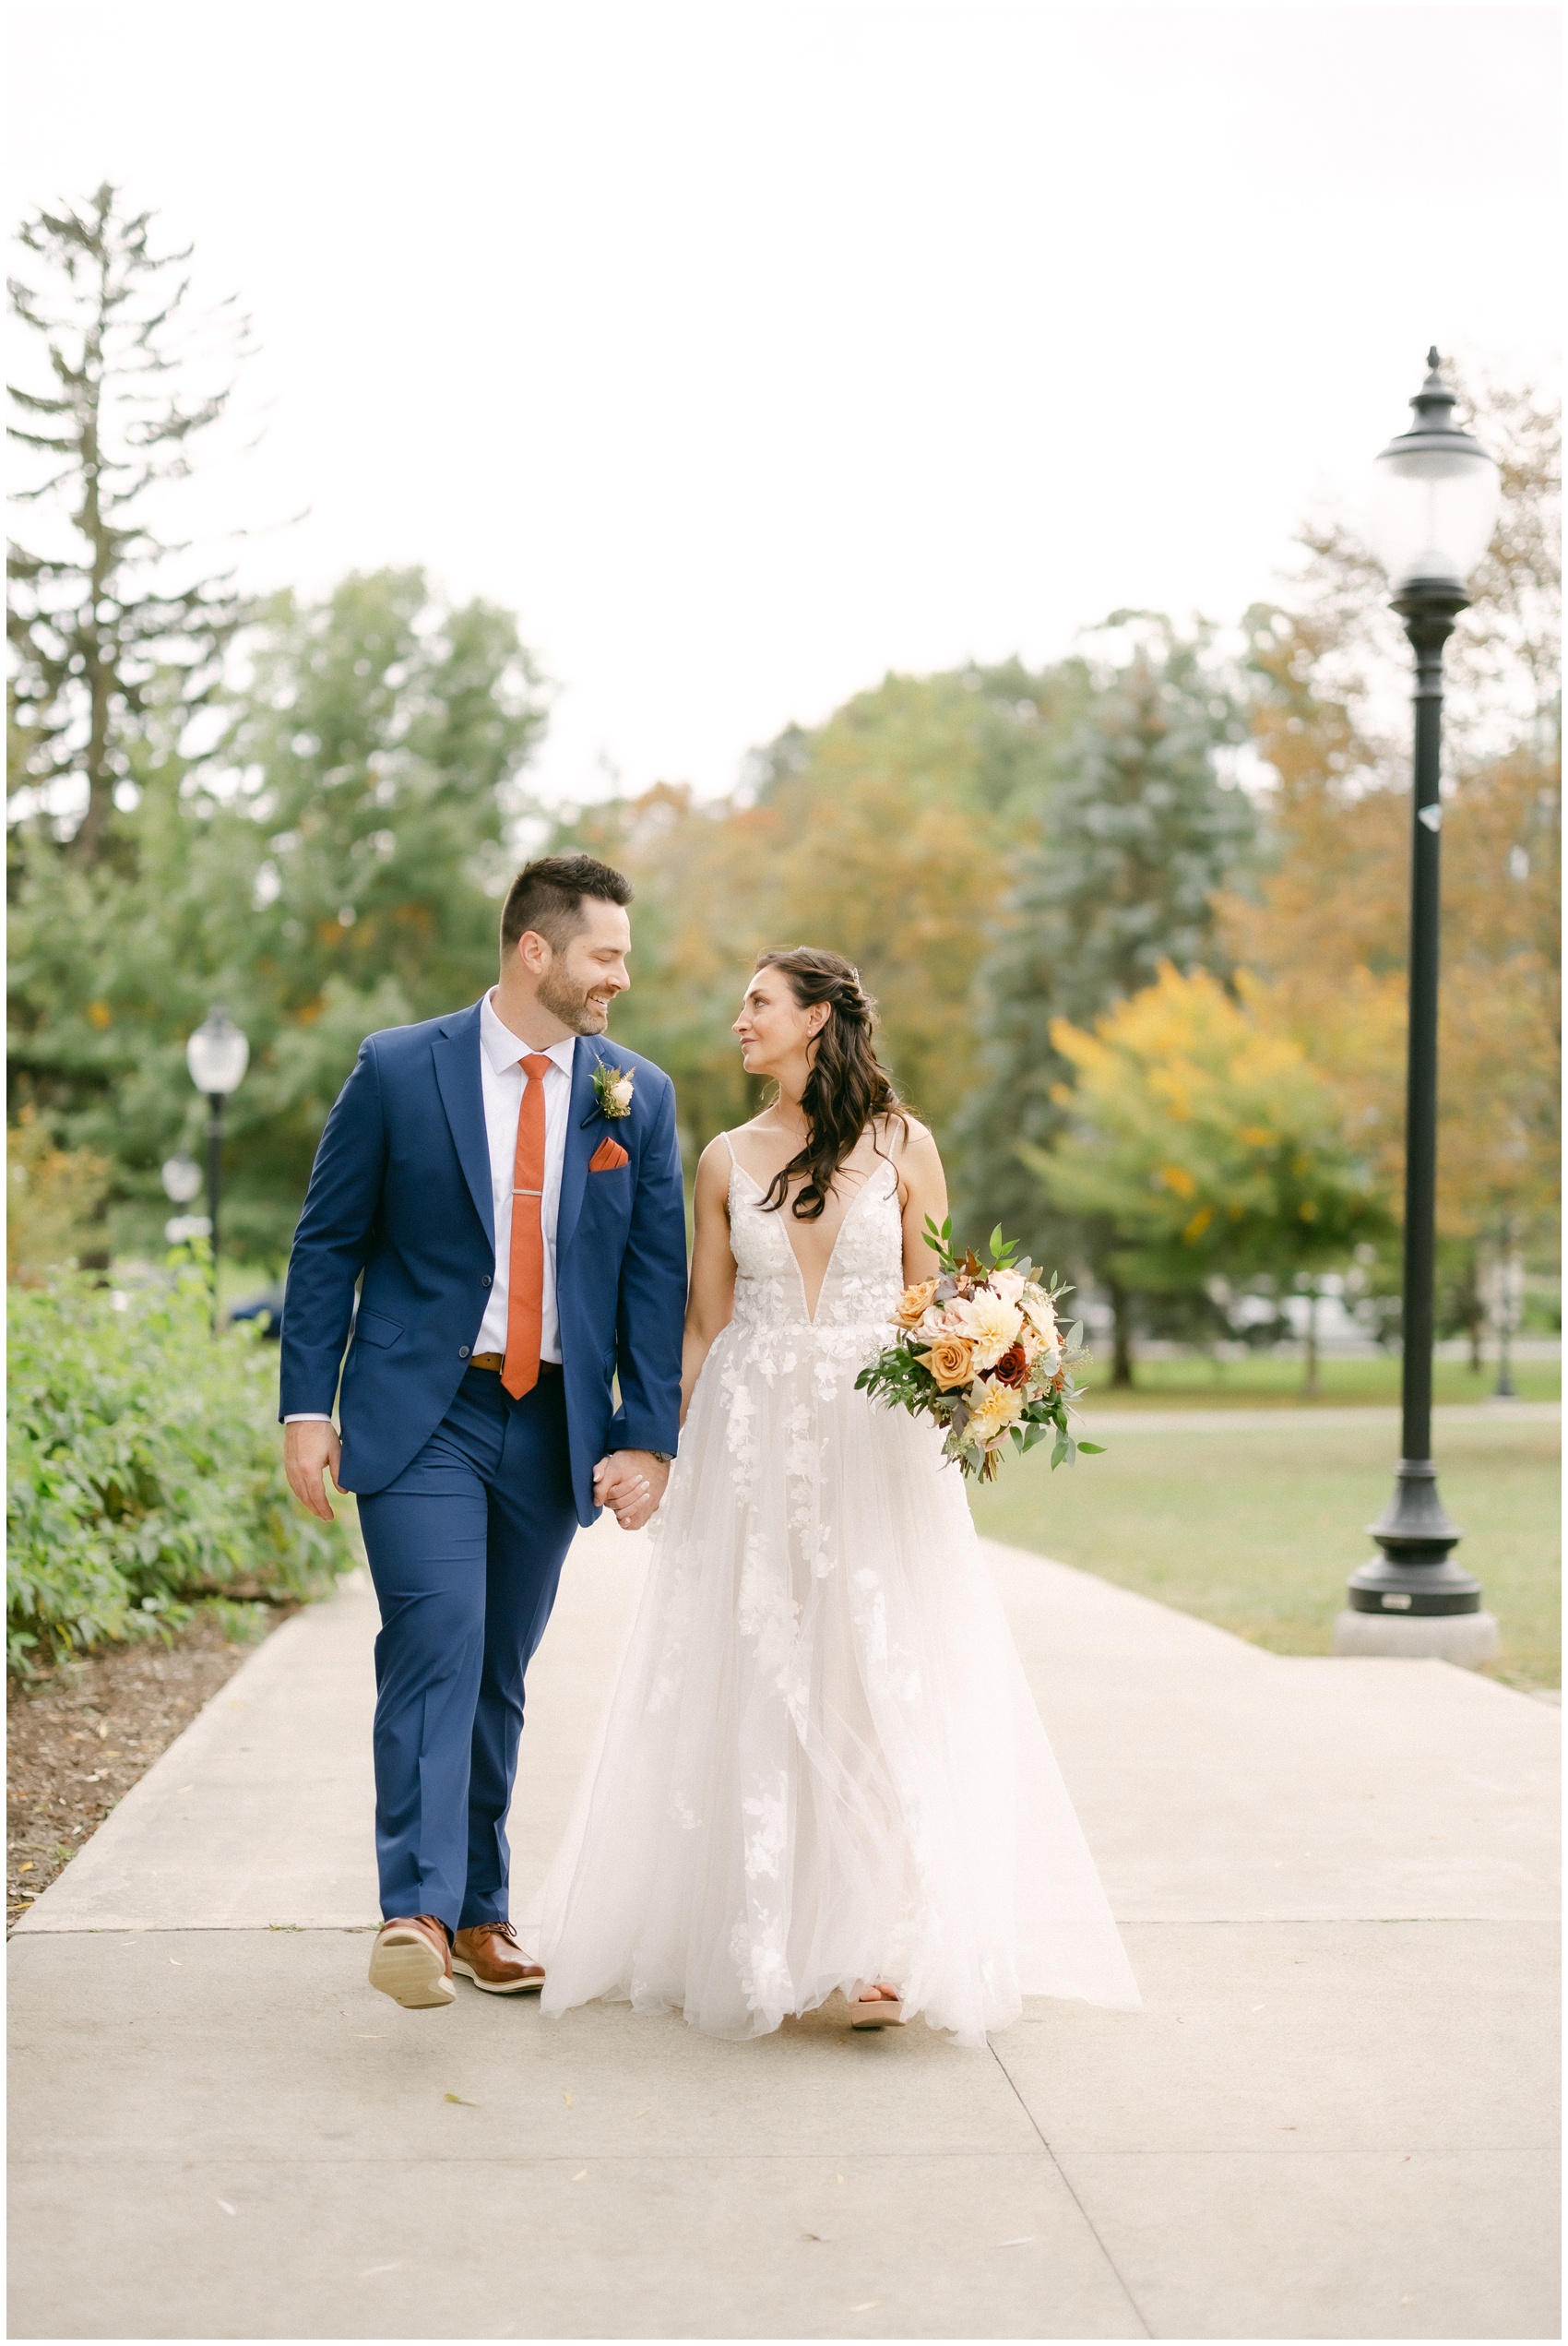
(1257, 1530)
(1264, 1381)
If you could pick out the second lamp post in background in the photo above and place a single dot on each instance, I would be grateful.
(217, 1056)
(1434, 502)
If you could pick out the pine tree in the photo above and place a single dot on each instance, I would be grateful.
(104, 618)
(1140, 832)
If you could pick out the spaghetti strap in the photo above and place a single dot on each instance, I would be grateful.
(725, 1137)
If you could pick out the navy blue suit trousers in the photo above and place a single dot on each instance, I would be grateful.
(466, 1548)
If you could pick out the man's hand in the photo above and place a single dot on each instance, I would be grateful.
(631, 1482)
(309, 1445)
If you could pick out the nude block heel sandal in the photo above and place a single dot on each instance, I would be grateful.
(875, 2011)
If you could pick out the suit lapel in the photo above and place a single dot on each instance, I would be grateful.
(456, 1051)
(580, 1144)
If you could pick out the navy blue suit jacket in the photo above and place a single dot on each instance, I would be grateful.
(400, 1192)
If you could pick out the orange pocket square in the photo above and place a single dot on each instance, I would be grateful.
(607, 1157)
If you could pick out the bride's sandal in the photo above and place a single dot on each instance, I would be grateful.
(875, 2011)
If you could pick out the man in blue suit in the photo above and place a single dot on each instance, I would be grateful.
(505, 1189)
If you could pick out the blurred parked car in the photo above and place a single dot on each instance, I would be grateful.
(266, 1307)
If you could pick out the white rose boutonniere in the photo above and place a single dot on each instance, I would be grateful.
(613, 1090)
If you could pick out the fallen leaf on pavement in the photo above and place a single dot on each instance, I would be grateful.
(380, 2269)
(224, 2205)
(582, 2178)
(568, 2099)
(463, 2100)
(1022, 2241)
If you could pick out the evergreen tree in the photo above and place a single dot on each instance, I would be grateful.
(1140, 832)
(104, 618)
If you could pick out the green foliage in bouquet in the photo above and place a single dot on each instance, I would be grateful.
(981, 1351)
(146, 1470)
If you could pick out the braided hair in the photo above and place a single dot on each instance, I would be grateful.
(848, 1086)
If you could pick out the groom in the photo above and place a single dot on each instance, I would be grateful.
(507, 1191)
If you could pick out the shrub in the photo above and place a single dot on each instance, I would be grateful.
(55, 1201)
(146, 1468)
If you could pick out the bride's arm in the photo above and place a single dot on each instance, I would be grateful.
(710, 1294)
(923, 1190)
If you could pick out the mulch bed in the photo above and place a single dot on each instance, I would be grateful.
(79, 1735)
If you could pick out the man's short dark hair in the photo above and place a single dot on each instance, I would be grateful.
(547, 896)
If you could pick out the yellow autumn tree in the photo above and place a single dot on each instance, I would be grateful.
(1204, 1143)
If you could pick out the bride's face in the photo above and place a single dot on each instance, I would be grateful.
(775, 1033)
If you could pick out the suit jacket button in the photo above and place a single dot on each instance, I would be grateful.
(485, 1281)
(462, 1351)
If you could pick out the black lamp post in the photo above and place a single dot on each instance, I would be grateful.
(217, 1056)
(1434, 502)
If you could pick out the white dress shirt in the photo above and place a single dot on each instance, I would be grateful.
(501, 1054)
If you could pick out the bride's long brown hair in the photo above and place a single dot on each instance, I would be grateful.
(848, 1086)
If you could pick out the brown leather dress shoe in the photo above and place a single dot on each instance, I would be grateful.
(411, 1961)
(488, 1954)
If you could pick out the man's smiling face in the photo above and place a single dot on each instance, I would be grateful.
(589, 970)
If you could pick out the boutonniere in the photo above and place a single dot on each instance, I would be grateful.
(613, 1090)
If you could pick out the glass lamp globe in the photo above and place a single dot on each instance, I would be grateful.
(182, 1179)
(217, 1054)
(1435, 496)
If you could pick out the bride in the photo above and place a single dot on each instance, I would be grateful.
(821, 1768)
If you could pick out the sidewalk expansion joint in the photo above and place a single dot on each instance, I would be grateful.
(1068, 2186)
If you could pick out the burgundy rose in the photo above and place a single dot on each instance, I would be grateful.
(1013, 1368)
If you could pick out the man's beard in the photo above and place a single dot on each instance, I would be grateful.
(573, 1004)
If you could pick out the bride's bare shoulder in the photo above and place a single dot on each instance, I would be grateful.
(713, 1165)
(902, 1134)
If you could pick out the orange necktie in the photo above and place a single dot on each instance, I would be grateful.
(525, 1290)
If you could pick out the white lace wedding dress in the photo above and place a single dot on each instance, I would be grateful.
(821, 1762)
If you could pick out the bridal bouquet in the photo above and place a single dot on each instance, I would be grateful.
(981, 1351)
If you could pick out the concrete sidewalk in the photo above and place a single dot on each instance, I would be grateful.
(1334, 2117)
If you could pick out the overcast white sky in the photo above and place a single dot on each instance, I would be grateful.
(749, 351)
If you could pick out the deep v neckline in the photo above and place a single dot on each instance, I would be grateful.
(833, 1250)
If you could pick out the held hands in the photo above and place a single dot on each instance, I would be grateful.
(310, 1444)
(630, 1483)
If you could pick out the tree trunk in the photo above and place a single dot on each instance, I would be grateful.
(1310, 1388)
(1121, 1337)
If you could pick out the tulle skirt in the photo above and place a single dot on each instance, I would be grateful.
(821, 1762)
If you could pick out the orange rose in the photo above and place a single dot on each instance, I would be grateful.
(914, 1303)
(951, 1361)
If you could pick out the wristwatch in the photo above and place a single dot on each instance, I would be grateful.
(665, 1458)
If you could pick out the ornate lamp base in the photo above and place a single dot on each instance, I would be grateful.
(1415, 1574)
